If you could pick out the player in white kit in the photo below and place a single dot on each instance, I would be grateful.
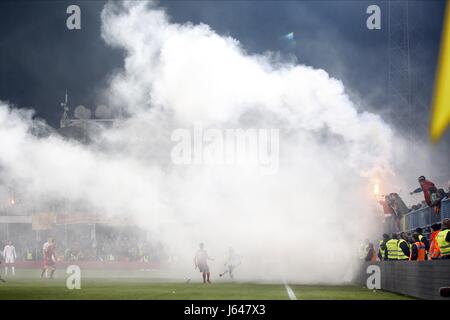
(9, 253)
(233, 260)
(201, 262)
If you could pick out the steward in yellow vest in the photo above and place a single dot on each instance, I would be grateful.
(403, 247)
(443, 239)
(382, 252)
(392, 248)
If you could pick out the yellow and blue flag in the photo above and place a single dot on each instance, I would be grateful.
(441, 100)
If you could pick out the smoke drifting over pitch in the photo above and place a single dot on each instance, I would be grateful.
(300, 224)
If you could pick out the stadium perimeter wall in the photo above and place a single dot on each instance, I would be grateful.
(413, 278)
(106, 265)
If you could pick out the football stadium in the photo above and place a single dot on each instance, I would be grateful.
(225, 150)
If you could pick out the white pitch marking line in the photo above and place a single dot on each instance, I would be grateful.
(290, 293)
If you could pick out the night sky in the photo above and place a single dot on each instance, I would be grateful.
(40, 58)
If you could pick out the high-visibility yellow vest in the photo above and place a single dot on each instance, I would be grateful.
(382, 251)
(401, 255)
(29, 256)
(392, 249)
(444, 246)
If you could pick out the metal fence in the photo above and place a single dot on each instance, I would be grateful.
(425, 217)
(422, 218)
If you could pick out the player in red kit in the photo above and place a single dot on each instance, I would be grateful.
(49, 258)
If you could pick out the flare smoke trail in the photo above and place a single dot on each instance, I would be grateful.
(301, 224)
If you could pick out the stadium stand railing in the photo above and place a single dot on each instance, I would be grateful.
(422, 218)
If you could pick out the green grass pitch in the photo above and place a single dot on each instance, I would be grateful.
(155, 285)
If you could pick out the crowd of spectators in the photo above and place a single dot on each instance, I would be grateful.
(415, 245)
(433, 196)
(394, 205)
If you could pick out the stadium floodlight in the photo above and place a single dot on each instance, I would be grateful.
(103, 112)
(82, 113)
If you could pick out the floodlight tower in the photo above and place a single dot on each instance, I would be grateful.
(408, 90)
(399, 93)
(65, 116)
(421, 71)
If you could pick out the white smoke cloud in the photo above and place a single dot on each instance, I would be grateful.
(302, 224)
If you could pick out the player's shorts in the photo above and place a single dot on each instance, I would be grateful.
(9, 260)
(203, 267)
(49, 263)
(49, 267)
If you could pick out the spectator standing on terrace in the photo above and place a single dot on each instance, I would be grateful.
(399, 207)
(442, 194)
(435, 200)
(434, 252)
(443, 239)
(425, 186)
(389, 208)
(398, 204)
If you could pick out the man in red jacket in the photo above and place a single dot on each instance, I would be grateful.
(425, 186)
